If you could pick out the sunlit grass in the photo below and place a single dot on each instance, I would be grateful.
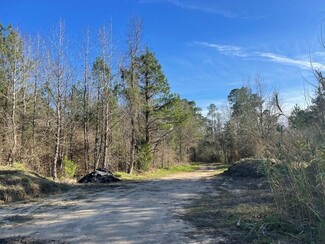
(158, 173)
(162, 172)
(220, 169)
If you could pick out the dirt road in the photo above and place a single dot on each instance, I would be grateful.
(145, 212)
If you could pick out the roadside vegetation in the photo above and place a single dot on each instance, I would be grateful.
(239, 210)
(299, 198)
(158, 173)
(162, 172)
(266, 203)
(17, 184)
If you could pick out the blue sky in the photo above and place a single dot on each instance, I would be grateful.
(206, 47)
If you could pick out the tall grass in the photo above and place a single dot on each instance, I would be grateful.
(299, 193)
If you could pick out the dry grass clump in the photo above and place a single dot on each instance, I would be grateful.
(16, 185)
(299, 193)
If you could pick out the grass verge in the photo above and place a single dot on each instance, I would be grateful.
(16, 185)
(158, 173)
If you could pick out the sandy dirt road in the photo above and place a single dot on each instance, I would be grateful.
(143, 212)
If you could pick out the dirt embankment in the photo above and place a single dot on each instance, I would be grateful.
(16, 185)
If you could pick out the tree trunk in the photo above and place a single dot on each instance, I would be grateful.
(86, 102)
(57, 144)
(12, 153)
(133, 147)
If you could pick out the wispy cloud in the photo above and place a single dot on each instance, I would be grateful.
(225, 49)
(196, 5)
(211, 6)
(199, 7)
(303, 64)
(267, 56)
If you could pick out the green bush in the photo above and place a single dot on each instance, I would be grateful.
(69, 168)
(144, 157)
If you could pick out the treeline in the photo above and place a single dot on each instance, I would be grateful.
(250, 127)
(95, 109)
(255, 126)
(102, 107)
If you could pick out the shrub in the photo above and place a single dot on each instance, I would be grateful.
(69, 168)
(144, 157)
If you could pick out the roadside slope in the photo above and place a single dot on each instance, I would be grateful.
(16, 185)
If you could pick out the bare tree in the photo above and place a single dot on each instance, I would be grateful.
(106, 55)
(58, 86)
(15, 76)
(102, 70)
(36, 79)
(131, 82)
(86, 77)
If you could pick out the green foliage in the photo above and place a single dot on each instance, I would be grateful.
(19, 166)
(210, 147)
(144, 157)
(244, 102)
(299, 118)
(69, 167)
(251, 128)
(187, 130)
(101, 70)
(153, 82)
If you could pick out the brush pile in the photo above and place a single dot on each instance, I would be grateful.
(99, 176)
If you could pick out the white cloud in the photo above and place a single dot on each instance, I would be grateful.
(225, 49)
(200, 7)
(303, 64)
(196, 5)
(213, 7)
(267, 56)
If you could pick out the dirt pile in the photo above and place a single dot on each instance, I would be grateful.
(99, 176)
(251, 168)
